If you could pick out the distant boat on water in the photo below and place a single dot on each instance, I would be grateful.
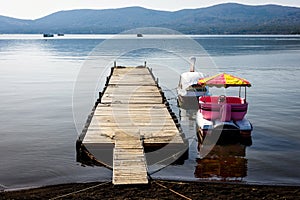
(48, 35)
(139, 35)
(60, 34)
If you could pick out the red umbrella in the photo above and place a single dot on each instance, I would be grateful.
(224, 80)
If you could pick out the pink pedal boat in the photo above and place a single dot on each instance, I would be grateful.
(223, 113)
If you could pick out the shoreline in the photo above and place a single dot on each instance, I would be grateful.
(156, 189)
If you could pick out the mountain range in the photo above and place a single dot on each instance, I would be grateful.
(227, 18)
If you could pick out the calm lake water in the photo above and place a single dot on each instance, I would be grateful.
(46, 83)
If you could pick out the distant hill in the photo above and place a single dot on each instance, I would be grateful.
(220, 19)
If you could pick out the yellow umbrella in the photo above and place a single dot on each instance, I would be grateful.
(224, 80)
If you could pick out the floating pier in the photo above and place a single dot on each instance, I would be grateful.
(130, 118)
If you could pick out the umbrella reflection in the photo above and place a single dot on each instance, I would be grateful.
(225, 162)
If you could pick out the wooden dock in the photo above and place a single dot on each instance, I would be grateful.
(130, 114)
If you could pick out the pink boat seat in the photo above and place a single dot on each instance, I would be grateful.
(233, 108)
(215, 99)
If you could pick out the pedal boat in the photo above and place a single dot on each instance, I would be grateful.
(188, 90)
(223, 113)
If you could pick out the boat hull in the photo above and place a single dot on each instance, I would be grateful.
(230, 131)
(188, 102)
(189, 91)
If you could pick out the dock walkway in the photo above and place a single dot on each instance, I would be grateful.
(131, 114)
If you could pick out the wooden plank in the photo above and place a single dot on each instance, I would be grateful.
(129, 164)
(125, 88)
(133, 118)
(131, 100)
(143, 130)
(131, 107)
(127, 112)
(128, 78)
(134, 106)
(132, 77)
(94, 138)
(148, 139)
(153, 132)
(134, 114)
(130, 71)
(164, 140)
(114, 121)
(130, 95)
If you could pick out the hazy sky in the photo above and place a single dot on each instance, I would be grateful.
(32, 9)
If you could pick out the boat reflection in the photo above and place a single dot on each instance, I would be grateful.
(225, 162)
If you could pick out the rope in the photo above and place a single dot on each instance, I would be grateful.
(170, 89)
(177, 193)
(149, 175)
(172, 98)
(172, 156)
(65, 195)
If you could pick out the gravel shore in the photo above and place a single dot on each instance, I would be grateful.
(157, 190)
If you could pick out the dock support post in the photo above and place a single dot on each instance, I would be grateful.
(107, 80)
(100, 96)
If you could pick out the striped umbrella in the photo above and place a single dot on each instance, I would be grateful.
(223, 80)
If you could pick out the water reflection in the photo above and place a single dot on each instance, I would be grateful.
(227, 159)
(224, 162)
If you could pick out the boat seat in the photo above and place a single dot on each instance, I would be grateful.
(215, 99)
(232, 108)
